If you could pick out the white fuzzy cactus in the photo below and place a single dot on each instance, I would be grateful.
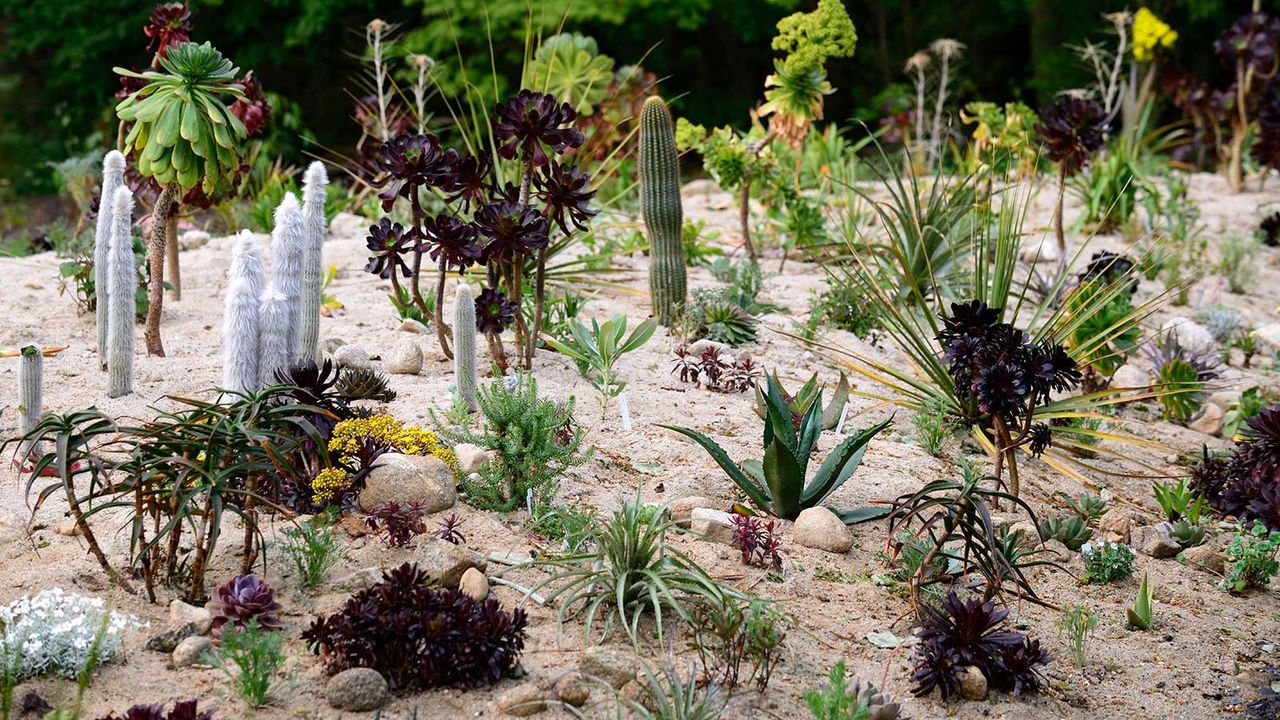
(288, 248)
(112, 178)
(464, 346)
(30, 388)
(240, 320)
(314, 188)
(273, 335)
(121, 287)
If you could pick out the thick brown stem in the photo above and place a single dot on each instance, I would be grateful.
(166, 206)
(496, 352)
(87, 533)
(1058, 231)
(744, 216)
(442, 330)
(415, 288)
(171, 253)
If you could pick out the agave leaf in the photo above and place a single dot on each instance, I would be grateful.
(735, 473)
(839, 465)
(785, 480)
(810, 429)
(831, 414)
(1140, 614)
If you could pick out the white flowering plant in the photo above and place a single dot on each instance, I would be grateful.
(57, 632)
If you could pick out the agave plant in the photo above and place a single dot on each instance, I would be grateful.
(1070, 531)
(181, 132)
(777, 483)
(804, 398)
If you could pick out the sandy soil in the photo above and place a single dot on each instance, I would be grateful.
(1203, 659)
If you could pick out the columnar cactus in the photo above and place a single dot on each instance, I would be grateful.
(314, 188)
(112, 178)
(660, 204)
(240, 318)
(30, 388)
(273, 334)
(288, 250)
(120, 288)
(464, 345)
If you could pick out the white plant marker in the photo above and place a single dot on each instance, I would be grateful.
(625, 410)
(844, 413)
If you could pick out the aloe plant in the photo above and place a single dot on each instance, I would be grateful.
(777, 483)
(1140, 614)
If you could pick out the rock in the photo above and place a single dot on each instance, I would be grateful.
(1190, 334)
(352, 356)
(1155, 541)
(1046, 252)
(67, 528)
(1057, 551)
(1224, 398)
(713, 525)
(572, 690)
(1116, 525)
(471, 458)
(406, 358)
(1268, 336)
(446, 563)
(1028, 534)
(638, 692)
(410, 478)
(362, 579)
(820, 529)
(1130, 376)
(1255, 679)
(166, 641)
(522, 700)
(1205, 557)
(181, 613)
(611, 666)
(410, 325)
(698, 347)
(973, 684)
(474, 584)
(331, 345)
(192, 239)
(191, 650)
(357, 690)
(1209, 420)
(681, 510)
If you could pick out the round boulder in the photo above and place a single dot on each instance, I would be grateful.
(410, 478)
(821, 529)
(356, 690)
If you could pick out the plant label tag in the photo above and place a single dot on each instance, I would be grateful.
(626, 411)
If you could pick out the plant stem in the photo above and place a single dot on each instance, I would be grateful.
(171, 253)
(166, 205)
(442, 330)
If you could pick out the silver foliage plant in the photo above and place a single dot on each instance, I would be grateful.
(288, 251)
(314, 191)
(240, 321)
(120, 286)
(112, 179)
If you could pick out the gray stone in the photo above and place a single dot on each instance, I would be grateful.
(1268, 336)
(612, 666)
(352, 356)
(445, 563)
(1224, 398)
(572, 690)
(1116, 525)
(713, 525)
(330, 345)
(681, 510)
(406, 358)
(1190, 334)
(471, 458)
(820, 529)
(167, 640)
(362, 579)
(474, 584)
(1155, 541)
(191, 650)
(1208, 420)
(410, 325)
(410, 478)
(356, 690)
(1046, 252)
(522, 700)
(1207, 557)
(1130, 376)
(973, 684)
(192, 239)
(181, 613)
(1028, 534)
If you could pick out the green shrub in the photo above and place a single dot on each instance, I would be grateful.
(313, 550)
(1107, 561)
(257, 655)
(1250, 559)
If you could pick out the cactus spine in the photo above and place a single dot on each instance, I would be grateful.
(240, 318)
(112, 178)
(464, 346)
(288, 248)
(121, 287)
(30, 388)
(660, 204)
(273, 335)
(314, 188)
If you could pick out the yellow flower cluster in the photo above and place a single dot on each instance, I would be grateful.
(389, 432)
(327, 484)
(1150, 32)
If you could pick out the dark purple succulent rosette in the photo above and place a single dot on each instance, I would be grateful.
(1071, 130)
(565, 194)
(528, 122)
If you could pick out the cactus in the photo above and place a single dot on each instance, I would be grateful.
(112, 178)
(240, 318)
(314, 186)
(121, 287)
(273, 335)
(288, 250)
(30, 388)
(464, 346)
(660, 204)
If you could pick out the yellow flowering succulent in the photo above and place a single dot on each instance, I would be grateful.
(1149, 33)
(327, 484)
(389, 432)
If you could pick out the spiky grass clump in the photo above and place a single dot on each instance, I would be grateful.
(1182, 374)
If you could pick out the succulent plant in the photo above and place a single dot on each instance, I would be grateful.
(723, 321)
(168, 27)
(240, 320)
(112, 178)
(1186, 534)
(274, 323)
(182, 710)
(494, 311)
(972, 633)
(565, 192)
(1107, 267)
(465, 377)
(529, 122)
(389, 243)
(1181, 374)
(241, 599)
(364, 384)
(1072, 129)
(511, 229)
(803, 398)
(659, 169)
(410, 163)
(1269, 229)
(447, 529)
(119, 297)
(397, 523)
(1088, 507)
(1070, 531)
(30, 388)
(314, 193)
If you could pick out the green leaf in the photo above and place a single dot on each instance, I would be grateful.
(785, 480)
(753, 491)
(839, 464)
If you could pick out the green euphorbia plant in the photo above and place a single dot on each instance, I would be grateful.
(179, 129)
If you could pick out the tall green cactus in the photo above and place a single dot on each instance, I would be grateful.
(464, 346)
(660, 203)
